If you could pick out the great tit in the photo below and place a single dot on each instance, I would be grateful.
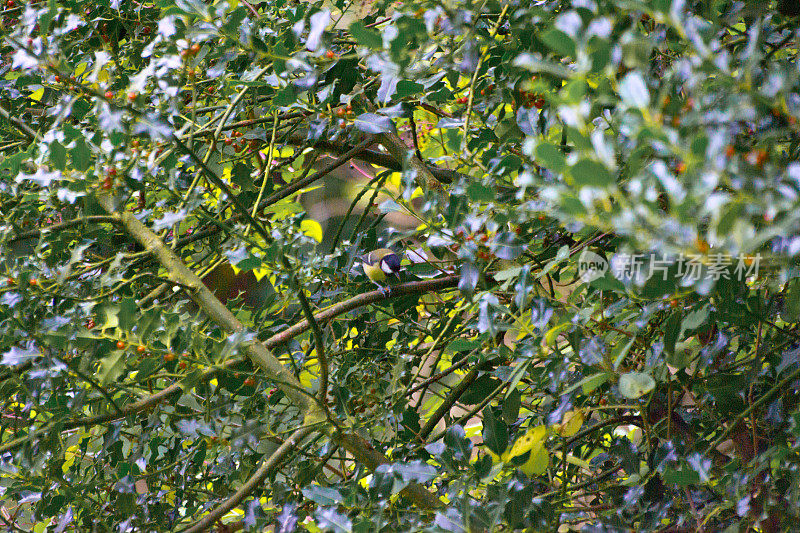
(380, 263)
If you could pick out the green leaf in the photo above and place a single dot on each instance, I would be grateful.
(791, 306)
(590, 383)
(590, 173)
(495, 432)
(479, 389)
(619, 351)
(80, 155)
(285, 96)
(372, 123)
(696, 319)
(672, 331)
(111, 367)
(366, 36)
(559, 41)
(407, 88)
(58, 155)
(550, 157)
(481, 193)
(635, 384)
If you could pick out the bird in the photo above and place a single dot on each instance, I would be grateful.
(380, 263)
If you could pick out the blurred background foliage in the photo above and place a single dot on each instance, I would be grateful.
(500, 146)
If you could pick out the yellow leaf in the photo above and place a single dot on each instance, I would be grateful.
(550, 336)
(533, 438)
(37, 94)
(537, 463)
(570, 424)
(312, 228)
(260, 273)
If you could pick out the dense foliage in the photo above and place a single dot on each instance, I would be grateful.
(596, 326)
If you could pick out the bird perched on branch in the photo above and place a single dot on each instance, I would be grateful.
(379, 264)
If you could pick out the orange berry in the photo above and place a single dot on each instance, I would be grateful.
(120, 345)
(131, 96)
(169, 356)
(58, 78)
(109, 95)
(761, 157)
(730, 151)
(330, 54)
(195, 48)
(141, 348)
(680, 168)
(33, 282)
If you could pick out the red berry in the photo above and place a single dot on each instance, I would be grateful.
(146, 30)
(195, 48)
(131, 96)
(730, 151)
(539, 103)
(120, 345)
(330, 54)
(249, 381)
(169, 356)
(58, 78)
(109, 95)
(680, 168)
(182, 365)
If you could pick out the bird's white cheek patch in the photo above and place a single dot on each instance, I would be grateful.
(387, 269)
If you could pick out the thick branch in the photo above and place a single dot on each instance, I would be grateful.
(284, 336)
(205, 299)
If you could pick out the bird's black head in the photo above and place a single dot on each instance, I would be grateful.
(392, 261)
